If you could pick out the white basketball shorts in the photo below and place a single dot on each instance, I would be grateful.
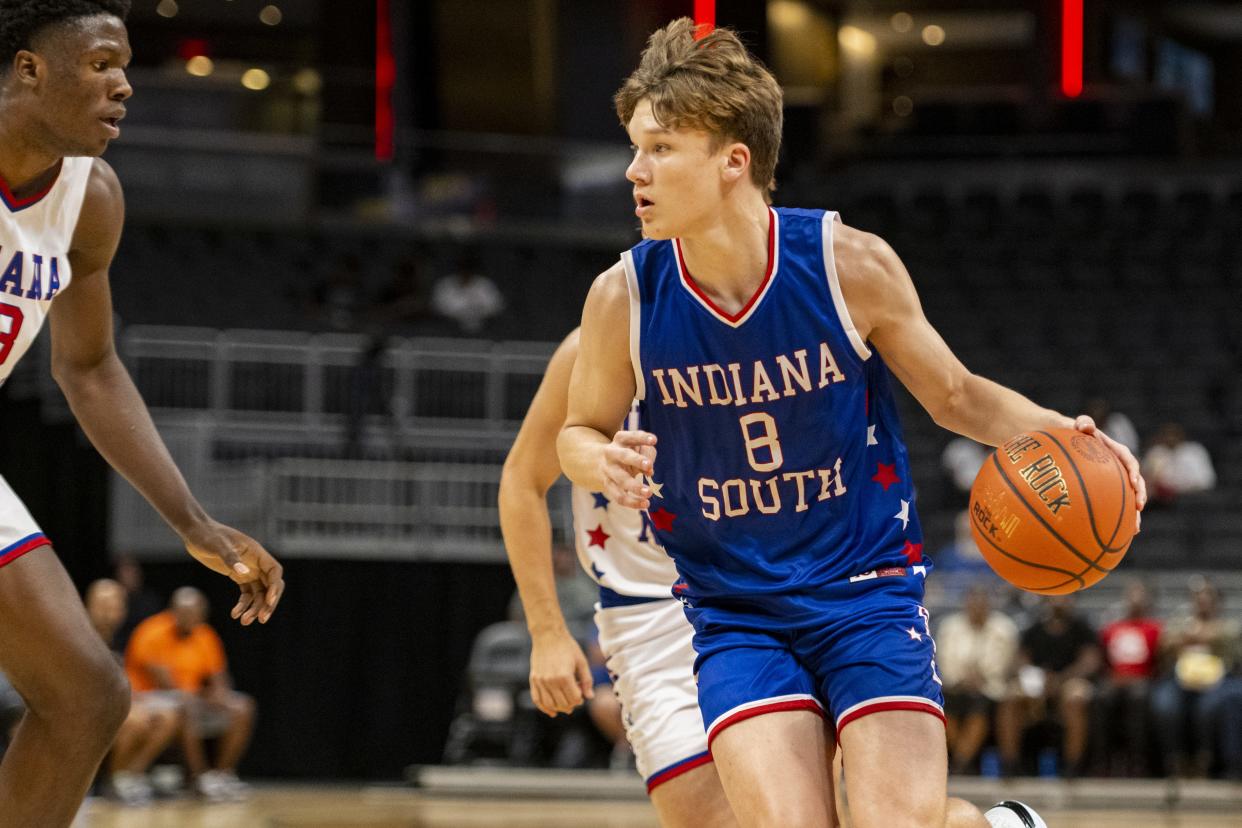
(18, 531)
(650, 657)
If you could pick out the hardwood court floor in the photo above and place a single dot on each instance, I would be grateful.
(338, 807)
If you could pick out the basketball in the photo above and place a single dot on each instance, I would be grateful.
(1052, 511)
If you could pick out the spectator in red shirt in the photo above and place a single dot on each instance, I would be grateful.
(1131, 647)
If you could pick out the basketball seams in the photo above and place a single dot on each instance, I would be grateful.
(1030, 508)
(1086, 494)
(1024, 561)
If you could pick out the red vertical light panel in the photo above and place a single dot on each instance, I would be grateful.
(1071, 48)
(385, 78)
(705, 14)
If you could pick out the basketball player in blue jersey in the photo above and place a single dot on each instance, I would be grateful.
(642, 630)
(62, 93)
(759, 342)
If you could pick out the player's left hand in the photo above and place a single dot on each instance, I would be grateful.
(1087, 426)
(260, 576)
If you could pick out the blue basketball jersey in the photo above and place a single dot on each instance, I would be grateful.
(781, 467)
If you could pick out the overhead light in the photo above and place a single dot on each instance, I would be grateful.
(933, 35)
(256, 79)
(200, 66)
(271, 15)
(167, 8)
(856, 41)
(902, 22)
(307, 81)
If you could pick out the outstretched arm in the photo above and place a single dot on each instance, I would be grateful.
(114, 417)
(559, 674)
(886, 311)
(593, 453)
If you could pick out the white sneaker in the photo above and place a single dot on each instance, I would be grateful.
(214, 786)
(131, 788)
(1011, 814)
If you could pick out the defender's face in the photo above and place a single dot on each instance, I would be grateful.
(83, 87)
(675, 173)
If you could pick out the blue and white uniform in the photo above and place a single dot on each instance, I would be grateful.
(643, 634)
(783, 487)
(35, 236)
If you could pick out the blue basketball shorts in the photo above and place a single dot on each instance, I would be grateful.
(859, 647)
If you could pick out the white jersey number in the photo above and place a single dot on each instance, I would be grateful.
(767, 439)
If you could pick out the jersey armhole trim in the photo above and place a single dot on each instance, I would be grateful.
(636, 319)
(834, 287)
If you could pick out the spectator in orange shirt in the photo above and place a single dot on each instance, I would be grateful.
(177, 651)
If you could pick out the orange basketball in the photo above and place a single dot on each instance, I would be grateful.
(1052, 511)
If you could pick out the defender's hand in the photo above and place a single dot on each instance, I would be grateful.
(560, 677)
(625, 460)
(223, 549)
(1128, 461)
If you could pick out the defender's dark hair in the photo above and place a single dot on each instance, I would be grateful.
(21, 20)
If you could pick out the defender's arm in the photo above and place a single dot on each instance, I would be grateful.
(559, 674)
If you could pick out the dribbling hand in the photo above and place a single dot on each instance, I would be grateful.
(243, 559)
(1087, 425)
(625, 461)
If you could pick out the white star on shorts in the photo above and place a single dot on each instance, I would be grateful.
(915, 635)
(904, 514)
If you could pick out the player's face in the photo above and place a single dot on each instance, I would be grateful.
(83, 87)
(676, 176)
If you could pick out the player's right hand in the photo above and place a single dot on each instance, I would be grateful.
(560, 677)
(624, 463)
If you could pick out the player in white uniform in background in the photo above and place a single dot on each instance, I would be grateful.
(643, 631)
(62, 91)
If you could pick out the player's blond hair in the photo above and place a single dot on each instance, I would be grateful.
(713, 84)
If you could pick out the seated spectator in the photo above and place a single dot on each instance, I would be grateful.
(141, 603)
(1175, 466)
(962, 555)
(975, 652)
(467, 296)
(1188, 705)
(177, 650)
(1131, 647)
(1114, 423)
(575, 592)
(960, 461)
(154, 719)
(1058, 658)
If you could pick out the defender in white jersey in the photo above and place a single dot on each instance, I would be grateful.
(62, 93)
(643, 631)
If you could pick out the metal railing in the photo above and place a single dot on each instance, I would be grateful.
(329, 379)
(322, 446)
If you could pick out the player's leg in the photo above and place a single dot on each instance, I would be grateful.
(766, 729)
(897, 766)
(76, 694)
(651, 660)
(693, 799)
(774, 769)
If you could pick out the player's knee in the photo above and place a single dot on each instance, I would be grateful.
(99, 703)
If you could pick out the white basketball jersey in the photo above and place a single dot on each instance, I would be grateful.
(617, 546)
(35, 236)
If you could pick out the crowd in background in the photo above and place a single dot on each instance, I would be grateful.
(182, 703)
(1051, 692)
